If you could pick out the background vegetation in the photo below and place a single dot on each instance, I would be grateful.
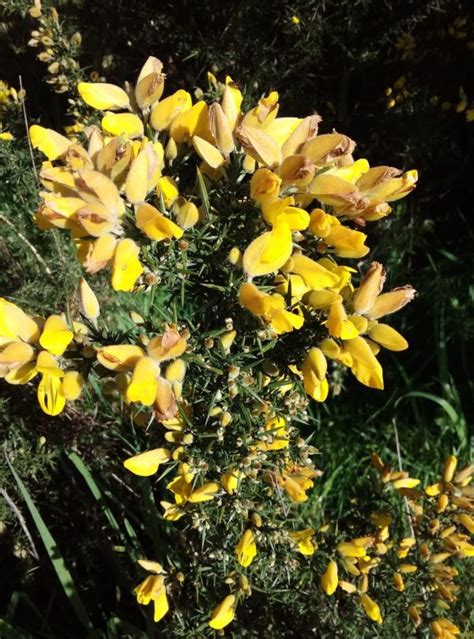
(397, 77)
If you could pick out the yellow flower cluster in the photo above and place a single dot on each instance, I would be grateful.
(8, 97)
(259, 210)
(31, 346)
(103, 193)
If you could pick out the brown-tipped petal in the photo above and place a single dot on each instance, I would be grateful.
(306, 131)
(370, 288)
(391, 302)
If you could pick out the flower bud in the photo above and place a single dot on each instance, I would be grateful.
(369, 289)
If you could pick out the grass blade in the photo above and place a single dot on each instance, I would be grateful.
(95, 490)
(9, 632)
(54, 554)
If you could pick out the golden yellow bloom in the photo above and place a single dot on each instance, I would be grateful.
(449, 468)
(146, 464)
(371, 609)
(296, 480)
(52, 144)
(246, 549)
(339, 325)
(72, 385)
(120, 358)
(126, 267)
(315, 274)
(155, 225)
(187, 215)
(15, 323)
(223, 614)
(127, 124)
(276, 435)
(143, 385)
(56, 335)
(365, 366)
(150, 83)
(314, 370)
(387, 337)
(270, 307)
(304, 541)
(153, 589)
(230, 481)
(268, 252)
(89, 302)
(444, 629)
(369, 289)
(264, 186)
(206, 492)
(167, 188)
(329, 579)
(103, 96)
(166, 111)
(220, 129)
(189, 122)
(167, 346)
(14, 356)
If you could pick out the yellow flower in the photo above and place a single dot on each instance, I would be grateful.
(270, 307)
(189, 122)
(56, 335)
(120, 358)
(277, 437)
(338, 323)
(72, 385)
(89, 302)
(296, 480)
(146, 464)
(153, 589)
(444, 629)
(167, 346)
(206, 492)
(264, 186)
(304, 541)
(220, 129)
(14, 356)
(126, 124)
(316, 275)
(346, 242)
(126, 268)
(365, 366)
(52, 144)
(314, 370)
(167, 188)
(329, 579)
(103, 96)
(295, 20)
(166, 111)
(15, 323)
(371, 609)
(150, 83)
(268, 252)
(143, 385)
(155, 225)
(230, 481)
(246, 549)
(387, 337)
(223, 614)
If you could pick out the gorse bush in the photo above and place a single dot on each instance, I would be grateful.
(235, 228)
